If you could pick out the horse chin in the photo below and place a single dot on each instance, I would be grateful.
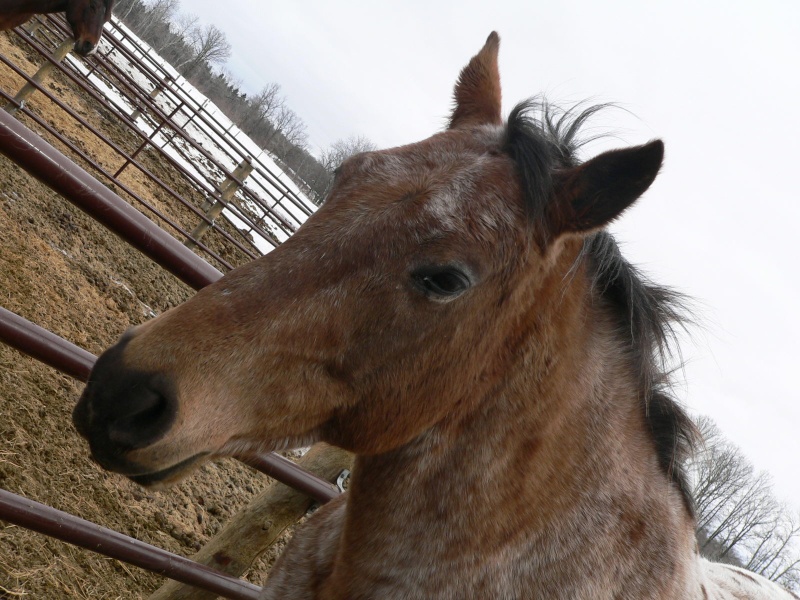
(164, 478)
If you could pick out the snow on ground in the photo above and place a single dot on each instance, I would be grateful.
(211, 130)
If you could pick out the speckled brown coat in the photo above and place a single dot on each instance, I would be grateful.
(456, 316)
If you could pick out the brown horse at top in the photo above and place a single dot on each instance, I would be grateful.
(86, 17)
(456, 315)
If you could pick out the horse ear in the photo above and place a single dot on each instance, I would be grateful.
(598, 191)
(477, 92)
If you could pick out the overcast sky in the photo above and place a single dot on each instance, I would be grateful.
(719, 82)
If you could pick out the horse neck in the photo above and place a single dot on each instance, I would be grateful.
(555, 458)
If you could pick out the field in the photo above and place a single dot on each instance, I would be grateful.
(62, 271)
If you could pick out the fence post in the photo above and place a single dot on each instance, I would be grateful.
(32, 26)
(255, 528)
(227, 191)
(153, 95)
(40, 75)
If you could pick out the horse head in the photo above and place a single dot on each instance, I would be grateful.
(393, 307)
(87, 17)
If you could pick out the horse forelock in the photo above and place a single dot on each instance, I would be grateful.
(543, 138)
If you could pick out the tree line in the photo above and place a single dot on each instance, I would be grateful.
(739, 519)
(199, 53)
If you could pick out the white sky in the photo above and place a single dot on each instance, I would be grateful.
(719, 82)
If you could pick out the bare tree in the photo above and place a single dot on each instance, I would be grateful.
(257, 114)
(262, 107)
(124, 8)
(209, 45)
(739, 520)
(772, 557)
(179, 29)
(321, 179)
(342, 149)
(156, 14)
(290, 126)
(163, 10)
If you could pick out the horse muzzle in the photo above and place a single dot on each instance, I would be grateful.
(85, 47)
(123, 410)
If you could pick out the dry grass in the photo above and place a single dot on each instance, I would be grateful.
(62, 271)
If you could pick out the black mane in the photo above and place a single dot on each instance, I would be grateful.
(543, 139)
(648, 315)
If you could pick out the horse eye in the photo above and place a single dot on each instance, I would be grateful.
(443, 282)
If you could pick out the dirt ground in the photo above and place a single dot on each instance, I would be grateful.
(62, 271)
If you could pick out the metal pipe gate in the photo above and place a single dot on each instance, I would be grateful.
(58, 172)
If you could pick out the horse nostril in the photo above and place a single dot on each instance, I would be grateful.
(146, 413)
(123, 409)
(83, 47)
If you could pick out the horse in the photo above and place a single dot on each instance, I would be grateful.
(85, 17)
(457, 316)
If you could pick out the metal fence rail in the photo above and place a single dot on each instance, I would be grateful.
(44, 162)
(198, 110)
(266, 205)
(114, 177)
(193, 110)
(57, 171)
(74, 530)
(68, 358)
